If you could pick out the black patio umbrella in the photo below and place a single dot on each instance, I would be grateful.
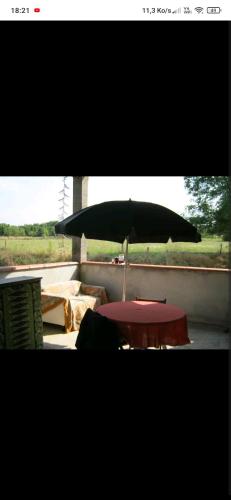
(130, 222)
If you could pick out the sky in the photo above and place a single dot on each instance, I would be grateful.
(29, 200)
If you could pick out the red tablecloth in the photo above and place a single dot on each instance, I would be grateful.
(148, 324)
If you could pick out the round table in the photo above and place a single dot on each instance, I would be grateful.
(148, 324)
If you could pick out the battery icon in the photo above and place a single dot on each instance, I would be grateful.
(213, 10)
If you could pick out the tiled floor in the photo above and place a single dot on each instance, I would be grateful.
(201, 336)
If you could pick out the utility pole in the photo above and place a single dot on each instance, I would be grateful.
(63, 200)
(62, 215)
(80, 200)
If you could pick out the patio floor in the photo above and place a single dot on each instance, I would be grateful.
(202, 337)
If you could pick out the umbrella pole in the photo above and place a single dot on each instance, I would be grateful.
(125, 272)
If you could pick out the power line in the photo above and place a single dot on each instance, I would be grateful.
(62, 214)
(63, 200)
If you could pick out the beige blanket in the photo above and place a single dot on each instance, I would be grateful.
(76, 298)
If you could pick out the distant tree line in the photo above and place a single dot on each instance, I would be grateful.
(47, 229)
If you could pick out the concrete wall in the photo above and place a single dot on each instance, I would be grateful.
(50, 273)
(203, 293)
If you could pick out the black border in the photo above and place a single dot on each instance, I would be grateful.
(116, 97)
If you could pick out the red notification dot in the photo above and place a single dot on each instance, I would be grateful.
(36, 10)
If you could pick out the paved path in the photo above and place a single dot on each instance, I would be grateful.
(201, 336)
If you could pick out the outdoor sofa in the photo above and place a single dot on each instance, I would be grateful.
(65, 303)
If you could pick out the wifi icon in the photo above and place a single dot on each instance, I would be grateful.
(199, 10)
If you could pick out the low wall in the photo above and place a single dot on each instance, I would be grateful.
(50, 273)
(203, 293)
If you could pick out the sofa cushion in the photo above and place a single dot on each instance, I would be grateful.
(65, 288)
(93, 302)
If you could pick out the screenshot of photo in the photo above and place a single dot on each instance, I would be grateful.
(93, 10)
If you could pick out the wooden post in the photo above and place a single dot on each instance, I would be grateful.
(80, 200)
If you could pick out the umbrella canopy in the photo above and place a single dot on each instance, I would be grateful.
(133, 221)
(139, 222)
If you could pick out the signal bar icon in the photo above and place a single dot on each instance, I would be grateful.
(177, 11)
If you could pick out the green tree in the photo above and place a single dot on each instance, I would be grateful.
(21, 231)
(5, 229)
(28, 230)
(32, 230)
(2, 229)
(210, 211)
(13, 231)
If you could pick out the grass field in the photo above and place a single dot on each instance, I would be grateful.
(211, 252)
